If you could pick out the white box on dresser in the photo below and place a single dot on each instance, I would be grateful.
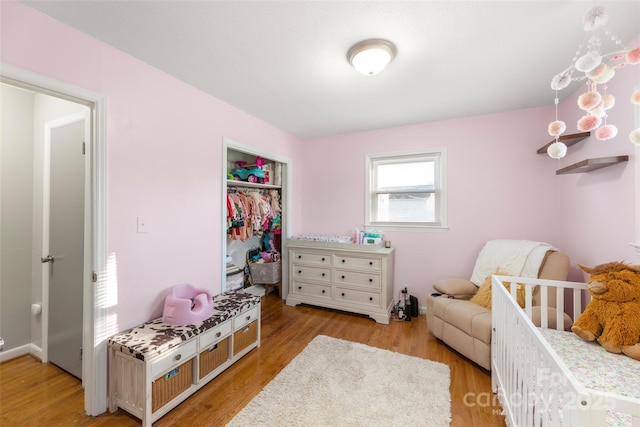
(355, 278)
(154, 366)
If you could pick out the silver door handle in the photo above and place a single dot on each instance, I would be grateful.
(48, 258)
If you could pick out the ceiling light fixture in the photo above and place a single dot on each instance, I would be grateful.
(370, 57)
(592, 66)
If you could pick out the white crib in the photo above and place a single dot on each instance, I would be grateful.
(535, 386)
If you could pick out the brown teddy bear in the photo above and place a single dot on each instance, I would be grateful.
(613, 315)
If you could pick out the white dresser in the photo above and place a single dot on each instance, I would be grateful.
(355, 278)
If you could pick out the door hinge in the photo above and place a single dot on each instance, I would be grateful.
(84, 144)
(94, 277)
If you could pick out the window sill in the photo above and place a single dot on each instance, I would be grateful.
(409, 228)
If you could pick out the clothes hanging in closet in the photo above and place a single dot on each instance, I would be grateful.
(252, 213)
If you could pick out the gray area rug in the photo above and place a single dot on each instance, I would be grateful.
(335, 382)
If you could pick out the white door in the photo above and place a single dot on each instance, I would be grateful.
(65, 256)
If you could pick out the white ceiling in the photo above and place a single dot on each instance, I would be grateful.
(285, 61)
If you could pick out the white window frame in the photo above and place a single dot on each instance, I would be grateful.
(440, 153)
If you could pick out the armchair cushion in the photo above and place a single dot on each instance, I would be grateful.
(456, 288)
(471, 319)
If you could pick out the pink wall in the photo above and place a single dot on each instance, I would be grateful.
(164, 141)
(598, 211)
(498, 188)
(164, 163)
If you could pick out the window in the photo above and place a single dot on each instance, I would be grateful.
(407, 190)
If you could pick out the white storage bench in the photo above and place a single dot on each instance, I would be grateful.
(154, 366)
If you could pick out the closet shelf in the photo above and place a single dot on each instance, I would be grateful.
(568, 140)
(233, 183)
(589, 165)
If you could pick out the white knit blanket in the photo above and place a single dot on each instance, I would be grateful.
(520, 258)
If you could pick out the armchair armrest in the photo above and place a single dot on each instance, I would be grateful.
(456, 288)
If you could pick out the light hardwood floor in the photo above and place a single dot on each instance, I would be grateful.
(36, 394)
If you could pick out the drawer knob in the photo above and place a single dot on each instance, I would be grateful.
(299, 256)
(299, 271)
(322, 259)
(370, 298)
(343, 277)
(323, 291)
(343, 294)
(370, 262)
(322, 274)
(344, 260)
(370, 280)
(218, 334)
(248, 318)
(177, 357)
(299, 287)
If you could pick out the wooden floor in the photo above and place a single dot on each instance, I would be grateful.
(37, 394)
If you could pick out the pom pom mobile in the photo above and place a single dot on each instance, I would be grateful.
(597, 69)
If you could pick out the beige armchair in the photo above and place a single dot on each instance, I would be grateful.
(466, 326)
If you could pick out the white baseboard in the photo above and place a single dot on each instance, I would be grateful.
(21, 351)
(36, 351)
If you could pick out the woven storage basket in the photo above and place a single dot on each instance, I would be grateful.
(171, 384)
(244, 337)
(214, 356)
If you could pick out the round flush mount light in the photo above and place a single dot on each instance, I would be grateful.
(369, 57)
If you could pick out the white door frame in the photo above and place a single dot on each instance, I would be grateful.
(285, 194)
(94, 363)
(49, 126)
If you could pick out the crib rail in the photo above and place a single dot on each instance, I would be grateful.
(533, 385)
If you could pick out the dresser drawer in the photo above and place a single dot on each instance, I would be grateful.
(215, 334)
(245, 318)
(347, 295)
(357, 263)
(310, 258)
(314, 273)
(174, 358)
(311, 289)
(370, 280)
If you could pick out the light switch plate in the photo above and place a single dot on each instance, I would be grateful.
(142, 225)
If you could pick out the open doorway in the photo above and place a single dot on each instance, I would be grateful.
(92, 264)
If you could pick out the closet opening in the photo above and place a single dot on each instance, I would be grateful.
(256, 220)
